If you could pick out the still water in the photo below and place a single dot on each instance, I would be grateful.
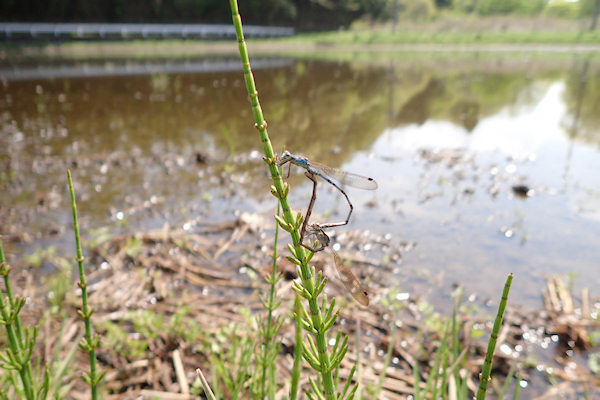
(489, 164)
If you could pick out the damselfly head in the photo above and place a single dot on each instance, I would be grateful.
(284, 157)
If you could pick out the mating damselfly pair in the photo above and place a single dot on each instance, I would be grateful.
(337, 178)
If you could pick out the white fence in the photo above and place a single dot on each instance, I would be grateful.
(25, 30)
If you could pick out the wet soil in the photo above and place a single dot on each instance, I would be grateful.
(212, 274)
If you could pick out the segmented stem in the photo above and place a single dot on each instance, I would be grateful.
(9, 317)
(89, 343)
(489, 355)
(280, 191)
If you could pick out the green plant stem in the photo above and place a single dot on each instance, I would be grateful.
(5, 271)
(297, 367)
(455, 327)
(387, 361)
(439, 361)
(489, 355)
(416, 382)
(89, 343)
(9, 310)
(280, 191)
(270, 330)
(518, 388)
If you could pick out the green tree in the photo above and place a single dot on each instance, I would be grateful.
(468, 6)
(563, 9)
(488, 7)
(591, 8)
(443, 3)
(417, 9)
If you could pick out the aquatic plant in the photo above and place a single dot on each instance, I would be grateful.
(21, 341)
(89, 343)
(321, 314)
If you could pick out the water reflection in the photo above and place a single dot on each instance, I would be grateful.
(465, 206)
(447, 142)
(104, 68)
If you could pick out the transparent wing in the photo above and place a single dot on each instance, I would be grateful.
(350, 281)
(345, 178)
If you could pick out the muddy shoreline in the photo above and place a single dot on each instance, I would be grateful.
(211, 272)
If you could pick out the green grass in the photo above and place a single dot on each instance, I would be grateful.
(419, 37)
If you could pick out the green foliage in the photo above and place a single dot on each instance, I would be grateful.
(282, 10)
(418, 10)
(588, 7)
(466, 6)
(477, 332)
(243, 362)
(147, 322)
(133, 246)
(448, 368)
(233, 362)
(563, 9)
(488, 7)
(98, 236)
(16, 354)
(444, 3)
(181, 326)
(305, 15)
(40, 255)
(59, 372)
(423, 34)
(531, 7)
(432, 319)
(319, 14)
(117, 339)
(146, 11)
(59, 285)
(492, 7)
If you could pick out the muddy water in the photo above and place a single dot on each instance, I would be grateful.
(489, 164)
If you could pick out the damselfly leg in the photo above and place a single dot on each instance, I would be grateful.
(329, 174)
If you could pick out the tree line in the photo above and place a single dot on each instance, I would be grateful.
(302, 14)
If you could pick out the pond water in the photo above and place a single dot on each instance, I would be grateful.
(488, 163)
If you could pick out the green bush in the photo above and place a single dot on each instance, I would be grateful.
(489, 7)
(467, 6)
(563, 9)
(531, 7)
(587, 7)
(418, 9)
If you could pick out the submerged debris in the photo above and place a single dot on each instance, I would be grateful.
(522, 191)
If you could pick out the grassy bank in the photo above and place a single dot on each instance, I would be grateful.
(410, 36)
(478, 34)
(463, 30)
